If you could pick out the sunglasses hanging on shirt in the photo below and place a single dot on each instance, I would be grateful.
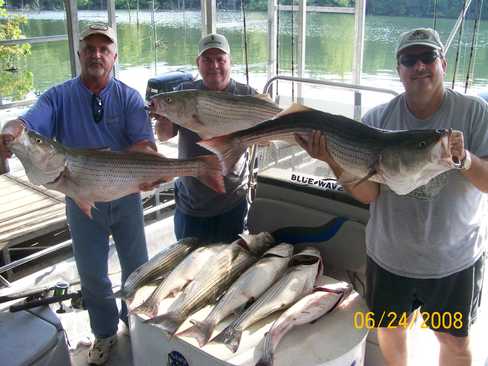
(97, 108)
(427, 58)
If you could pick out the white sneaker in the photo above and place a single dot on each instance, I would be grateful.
(100, 350)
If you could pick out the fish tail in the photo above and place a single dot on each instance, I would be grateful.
(267, 357)
(168, 322)
(201, 331)
(212, 175)
(227, 148)
(231, 337)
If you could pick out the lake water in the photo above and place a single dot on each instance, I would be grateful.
(328, 56)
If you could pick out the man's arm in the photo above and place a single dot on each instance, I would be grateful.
(316, 147)
(477, 173)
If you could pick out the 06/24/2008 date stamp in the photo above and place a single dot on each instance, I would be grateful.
(433, 320)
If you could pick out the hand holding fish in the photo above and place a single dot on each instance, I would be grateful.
(316, 147)
(456, 146)
(9, 132)
(164, 128)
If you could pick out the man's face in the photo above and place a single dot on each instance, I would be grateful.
(214, 67)
(97, 56)
(421, 69)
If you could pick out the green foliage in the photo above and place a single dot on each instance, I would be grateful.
(12, 82)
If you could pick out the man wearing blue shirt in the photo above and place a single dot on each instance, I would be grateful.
(96, 111)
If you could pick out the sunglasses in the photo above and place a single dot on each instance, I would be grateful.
(427, 58)
(97, 108)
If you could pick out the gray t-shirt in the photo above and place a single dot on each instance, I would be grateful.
(439, 228)
(194, 198)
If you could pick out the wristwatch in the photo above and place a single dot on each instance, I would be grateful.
(465, 164)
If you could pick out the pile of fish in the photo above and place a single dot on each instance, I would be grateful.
(403, 160)
(252, 277)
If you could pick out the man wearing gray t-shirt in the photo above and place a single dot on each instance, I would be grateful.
(200, 211)
(426, 249)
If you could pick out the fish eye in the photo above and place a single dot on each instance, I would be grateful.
(421, 145)
(38, 140)
(169, 100)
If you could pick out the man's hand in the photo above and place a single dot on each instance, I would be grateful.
(10, 131)
(164, 128)
(316, 146)
(148, 147)
(456, 146)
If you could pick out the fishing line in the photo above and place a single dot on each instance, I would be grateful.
(459, 45)
(277, 43)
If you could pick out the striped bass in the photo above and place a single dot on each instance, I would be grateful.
(248, 287)
(210, 283)
(403, 160)
(157, 266)
(90, 176)
(183, 274)
(213, 113)
(321, 301)
(298, 281)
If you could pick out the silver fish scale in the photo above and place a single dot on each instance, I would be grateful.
(110, 171)
(239, 112)
(265, 306)
(216, 280)
(159, 264)
(357, 158)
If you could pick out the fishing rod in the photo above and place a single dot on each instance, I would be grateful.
(435, 14)
(459, 45)
(292, 52)
(245, 40)
(472, 54)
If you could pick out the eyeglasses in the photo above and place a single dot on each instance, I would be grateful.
(97, 108)
(427, 58)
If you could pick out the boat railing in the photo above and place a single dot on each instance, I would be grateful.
(7, 268)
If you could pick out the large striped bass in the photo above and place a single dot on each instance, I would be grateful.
(157, 266)
(183, 274)
(213, 113)
(403, 160)
(321, 301)
(248, 287)
(298, 281)
(90, 176)
(210, 283)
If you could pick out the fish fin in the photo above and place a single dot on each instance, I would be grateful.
(201, 331)
(294, 108)
(227, 148)
(265, 97)
(169, 322)
(197, 120)
(144, 309)
(231, 337)
(212, 176)
(365, 178)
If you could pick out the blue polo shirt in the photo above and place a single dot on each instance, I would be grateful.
(65, 112)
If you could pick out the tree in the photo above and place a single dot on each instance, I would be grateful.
(13, 84)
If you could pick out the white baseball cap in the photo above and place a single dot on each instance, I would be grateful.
(213, 40)
(99, 28)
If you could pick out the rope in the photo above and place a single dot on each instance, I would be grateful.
(459, 46)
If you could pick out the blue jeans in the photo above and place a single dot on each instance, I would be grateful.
(222, 228)
(123, 219)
